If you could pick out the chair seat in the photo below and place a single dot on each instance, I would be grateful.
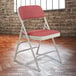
(43, 34)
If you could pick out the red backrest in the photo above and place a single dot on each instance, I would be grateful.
(33, 11)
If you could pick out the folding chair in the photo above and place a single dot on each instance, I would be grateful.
(34, 11)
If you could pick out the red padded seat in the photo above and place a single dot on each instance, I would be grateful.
(42, 32)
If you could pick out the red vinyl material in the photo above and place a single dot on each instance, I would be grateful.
(42, 32)
(33, 11)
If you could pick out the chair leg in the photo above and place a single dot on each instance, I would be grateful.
(34, 57)
(32, 54)
(20, 35)
(56, 49)
(16, 51)
(38, 47)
